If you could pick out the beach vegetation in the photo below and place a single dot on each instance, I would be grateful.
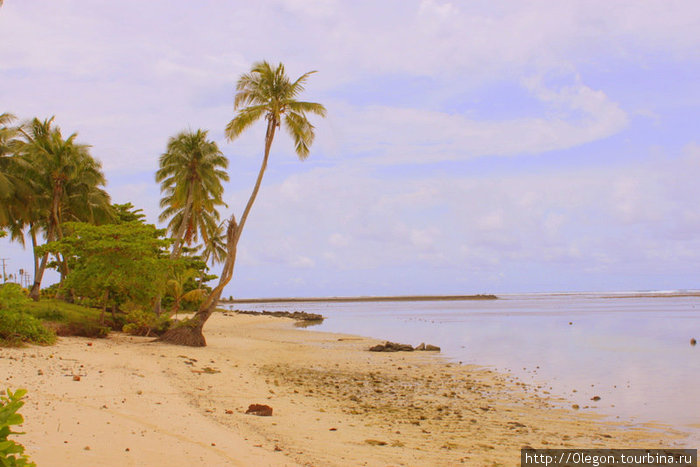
(265, 93)
(59, 181)
(8, 181)
(113, 264)
(190, 176)
(177, 288)
(71, 319)
(18, 327)
(144, 322)
(11, 452)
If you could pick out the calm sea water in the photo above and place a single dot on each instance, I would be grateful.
(633, 352)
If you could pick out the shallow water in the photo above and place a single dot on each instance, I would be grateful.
(633, 352)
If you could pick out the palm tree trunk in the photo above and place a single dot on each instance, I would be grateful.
(191, 335)
(54, 226)
(39, 267)
(32, 232)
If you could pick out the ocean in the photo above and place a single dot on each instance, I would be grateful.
(632, 350)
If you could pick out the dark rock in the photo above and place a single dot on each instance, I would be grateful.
(595, 398)
(260, 410)
(391, 347)
(693, 341)
(375, 442)
(395, 347)
(297, 315)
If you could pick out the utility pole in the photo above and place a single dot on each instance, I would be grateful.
(3, 268)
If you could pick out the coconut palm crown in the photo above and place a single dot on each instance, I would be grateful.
(191, 171)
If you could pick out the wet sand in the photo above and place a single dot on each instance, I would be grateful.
(335, 403)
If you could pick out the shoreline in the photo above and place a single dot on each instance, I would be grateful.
(386, 298)
(334, 403)
(475, 297)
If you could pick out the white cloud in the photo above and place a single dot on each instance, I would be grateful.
(572, 219)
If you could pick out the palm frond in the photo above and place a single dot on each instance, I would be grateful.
(245, 118)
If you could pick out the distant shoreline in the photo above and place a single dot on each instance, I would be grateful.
(398, 298)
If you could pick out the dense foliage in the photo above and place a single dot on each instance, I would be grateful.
(190, 175)
(16, 325)
(47, 179)
(114, 264)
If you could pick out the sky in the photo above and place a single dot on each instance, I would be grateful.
(469, 147)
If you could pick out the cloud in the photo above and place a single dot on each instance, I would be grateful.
(573, 220)
(410, 135)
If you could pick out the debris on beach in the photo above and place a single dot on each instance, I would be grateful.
(260, 410)
(395, 347)
(375, 442)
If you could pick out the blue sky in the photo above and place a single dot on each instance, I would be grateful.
(469, 146)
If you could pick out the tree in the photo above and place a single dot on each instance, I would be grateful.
(114, 263)
(264, 92)
(8, 180)
(127, 213)
(65, 185)
(191, 171)
(213, 249)
(177, 287)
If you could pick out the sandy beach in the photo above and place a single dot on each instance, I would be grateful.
(128, 401)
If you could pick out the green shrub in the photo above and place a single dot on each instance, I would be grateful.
(145, 323)
(13, 297)
(49, 292)
(18, 327)
(11, 452)
(70, 319)
(49, 314)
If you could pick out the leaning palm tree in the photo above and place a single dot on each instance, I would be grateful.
(265, 92)
(190, 175)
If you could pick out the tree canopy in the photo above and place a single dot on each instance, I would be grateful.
(190, 174)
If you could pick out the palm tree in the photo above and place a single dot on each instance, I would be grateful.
(176, 287)
(7, 162)
(264, 92)
(66, 185)
(190, 174)
(214, 247)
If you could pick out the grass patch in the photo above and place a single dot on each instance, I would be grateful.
(17, 328)
(69, 319)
